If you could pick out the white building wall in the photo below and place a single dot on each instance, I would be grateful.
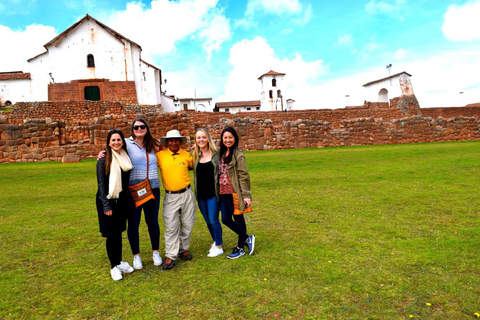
(168, 104)
(396, 87)
(14, 91)
(200, 105)
(40, 78)
(116, 59)
(69, 56)
(148, 85)
(276, 102)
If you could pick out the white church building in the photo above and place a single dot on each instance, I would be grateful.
(271, 97)
(87, 61)
(382, 90)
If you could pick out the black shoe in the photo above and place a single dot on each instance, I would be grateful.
(169, 263)
(184, 255)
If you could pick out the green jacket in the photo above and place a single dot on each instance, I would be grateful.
(238, 174)
(216, 169)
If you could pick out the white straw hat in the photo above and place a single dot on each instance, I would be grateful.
(172, 134)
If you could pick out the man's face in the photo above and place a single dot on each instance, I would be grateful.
(174, 144)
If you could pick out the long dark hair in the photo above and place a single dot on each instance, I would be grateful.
(148, 140)
(108, 157)
(223, 148)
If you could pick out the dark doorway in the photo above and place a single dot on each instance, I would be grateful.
(92, 93)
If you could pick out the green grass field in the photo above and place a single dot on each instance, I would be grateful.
(374, 232)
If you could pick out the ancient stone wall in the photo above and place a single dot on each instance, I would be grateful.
(54, 131)
(74, 110)
(451, 112)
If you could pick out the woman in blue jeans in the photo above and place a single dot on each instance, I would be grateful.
(138, 145)
(206, 171)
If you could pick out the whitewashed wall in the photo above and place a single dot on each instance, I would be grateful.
(14, 91)
(266, 103)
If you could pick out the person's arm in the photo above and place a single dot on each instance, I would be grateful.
(102, 182)
(101, 154)
(243, 178)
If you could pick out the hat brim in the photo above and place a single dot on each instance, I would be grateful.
(163, 140)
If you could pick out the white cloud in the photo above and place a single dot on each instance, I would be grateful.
(306, 16)
(437, 81)
(252, 58)
(19, 46)
(400, 54)
(215, 34)
(382, 7)
(345, 40)
(158, 28)
(277, 7)
(274, 6)
(462, 23)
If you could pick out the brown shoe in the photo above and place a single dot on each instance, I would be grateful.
(184, 255)
(169, 263)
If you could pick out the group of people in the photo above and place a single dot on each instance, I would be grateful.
(221, 184)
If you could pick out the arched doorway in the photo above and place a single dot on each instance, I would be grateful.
(383, 95)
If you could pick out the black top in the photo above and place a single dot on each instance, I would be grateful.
(120, 207)
(205, 180)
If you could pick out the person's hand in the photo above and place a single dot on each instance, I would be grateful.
(157, 146)
(101, 154)
(247, 201)
(108, 213)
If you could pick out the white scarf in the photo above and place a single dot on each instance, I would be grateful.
(119, 160)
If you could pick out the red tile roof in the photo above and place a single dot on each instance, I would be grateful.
(271, 73)
(477, 104)
(16, 75)
(255, 103)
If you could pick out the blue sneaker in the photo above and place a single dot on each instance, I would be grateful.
(251, 244)
(236, 253)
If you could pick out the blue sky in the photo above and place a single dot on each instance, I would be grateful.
(218, 48)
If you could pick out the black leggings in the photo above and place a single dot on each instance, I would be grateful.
(236, 223)
(114, 248)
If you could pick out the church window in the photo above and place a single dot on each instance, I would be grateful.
(90, 61)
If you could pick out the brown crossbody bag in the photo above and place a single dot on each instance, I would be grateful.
(142, 192)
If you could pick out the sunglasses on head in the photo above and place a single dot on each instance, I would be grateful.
(139, 127)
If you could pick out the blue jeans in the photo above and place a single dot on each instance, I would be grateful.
(210, 211)
(150, 210)
(239, 226)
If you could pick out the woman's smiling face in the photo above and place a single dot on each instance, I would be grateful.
(116, 142)
(228, 139)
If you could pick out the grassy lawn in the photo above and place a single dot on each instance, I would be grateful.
(376, 232)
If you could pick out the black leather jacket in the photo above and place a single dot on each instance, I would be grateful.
(103, 183)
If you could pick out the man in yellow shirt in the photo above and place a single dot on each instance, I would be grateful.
(179, 202)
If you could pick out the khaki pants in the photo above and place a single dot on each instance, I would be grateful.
(179, 217)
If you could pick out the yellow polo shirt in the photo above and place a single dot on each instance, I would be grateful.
(174, 169)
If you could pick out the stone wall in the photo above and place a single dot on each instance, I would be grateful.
(123, 91)
(452, 112)
(74, 110)
(52, 131)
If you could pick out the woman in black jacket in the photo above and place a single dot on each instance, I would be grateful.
(113, 172)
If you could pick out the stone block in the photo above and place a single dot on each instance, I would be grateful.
(71, 159)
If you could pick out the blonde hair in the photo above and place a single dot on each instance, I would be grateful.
(211, 146)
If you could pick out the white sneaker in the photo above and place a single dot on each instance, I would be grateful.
(212, 246)
(116, 274)
(157, 260)
(215, 252)
(125, 267)
(137, 262)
